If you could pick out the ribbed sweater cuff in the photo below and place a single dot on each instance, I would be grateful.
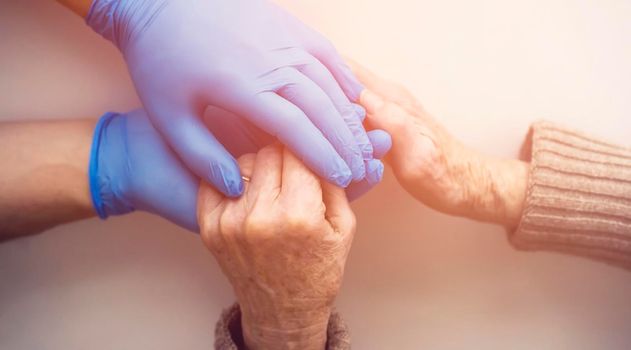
(229, 335)
(579, 196)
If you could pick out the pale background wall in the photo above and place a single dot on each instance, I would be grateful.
(415, 279)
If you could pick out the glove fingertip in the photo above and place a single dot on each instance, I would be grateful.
(381, 142)
(226, 178)
(374, 171)
(360, 112)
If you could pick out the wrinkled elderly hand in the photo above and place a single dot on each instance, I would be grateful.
(283, 246)
(435, 167)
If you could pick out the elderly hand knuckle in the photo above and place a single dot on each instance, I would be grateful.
(297, 221)
(253, 224)
(228, 224)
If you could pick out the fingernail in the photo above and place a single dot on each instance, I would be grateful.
(360, 111)
(371, 101)
(374, 171)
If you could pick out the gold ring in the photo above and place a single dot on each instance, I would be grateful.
(245, 178)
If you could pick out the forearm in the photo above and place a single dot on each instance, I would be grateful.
(80, 7)
(44, 177)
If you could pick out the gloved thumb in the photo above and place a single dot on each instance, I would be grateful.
(202, 154)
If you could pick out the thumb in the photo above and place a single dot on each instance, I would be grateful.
(383, 114)
(338, 210)
(209, 203)
(200, 151)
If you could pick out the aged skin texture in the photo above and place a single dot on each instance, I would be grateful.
(283, 246)
(435, 167)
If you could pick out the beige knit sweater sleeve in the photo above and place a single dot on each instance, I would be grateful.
(579, 196)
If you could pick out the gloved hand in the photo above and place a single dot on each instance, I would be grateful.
(132, 168)
(248, 57)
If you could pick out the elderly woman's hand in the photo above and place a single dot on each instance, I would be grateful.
(434, 166)
(283, 246)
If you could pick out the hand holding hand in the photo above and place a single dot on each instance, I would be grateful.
(248, 57)
(283, 246)
(132, 168)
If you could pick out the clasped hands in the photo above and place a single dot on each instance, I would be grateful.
(283, 244)
(220, 79)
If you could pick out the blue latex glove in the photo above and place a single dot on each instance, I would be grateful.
(248, 57)
(132, 168)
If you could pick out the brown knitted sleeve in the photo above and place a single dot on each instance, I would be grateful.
(228, 333)
(579, 196)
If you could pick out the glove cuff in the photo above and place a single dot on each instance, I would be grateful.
(106, 190)
(95, 188)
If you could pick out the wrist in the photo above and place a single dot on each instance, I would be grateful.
(307, 330)
(499, 193)
(288, 325)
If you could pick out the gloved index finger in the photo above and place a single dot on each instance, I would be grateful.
(318, 107)
(351, 113)
(279, 117)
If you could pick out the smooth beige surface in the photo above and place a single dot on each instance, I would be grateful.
(415, 279)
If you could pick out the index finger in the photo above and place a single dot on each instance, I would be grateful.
(290, 125)
(299, 186)
(383, 87)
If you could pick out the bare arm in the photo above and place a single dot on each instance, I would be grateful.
(43, 181)
(80, 7)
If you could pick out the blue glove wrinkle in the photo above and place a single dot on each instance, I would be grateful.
(356, 127)
(131, 168)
